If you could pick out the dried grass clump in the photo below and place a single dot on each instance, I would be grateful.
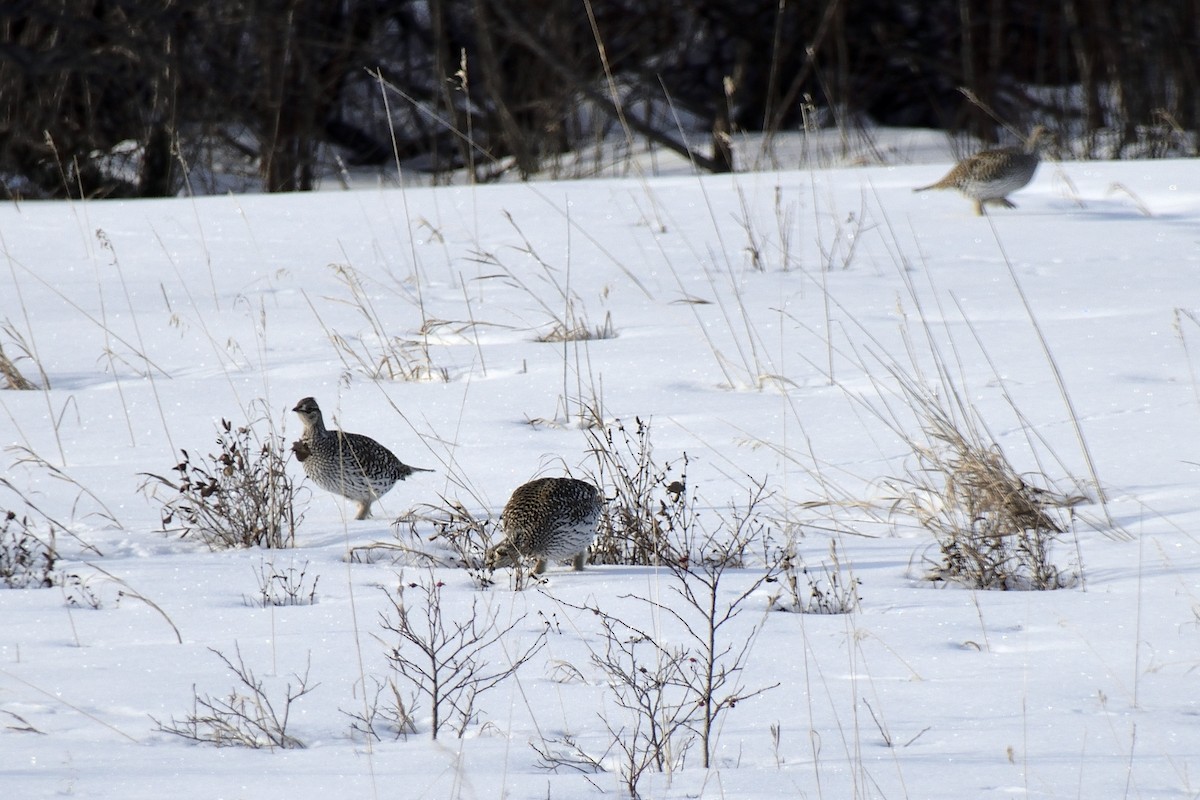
(994, 528)
(13, 378)
(578, 330)
(459, 538)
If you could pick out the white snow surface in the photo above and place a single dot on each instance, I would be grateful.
(757, 317)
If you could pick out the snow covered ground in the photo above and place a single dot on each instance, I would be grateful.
(756, 322)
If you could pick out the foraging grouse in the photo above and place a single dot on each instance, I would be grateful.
(547, 519)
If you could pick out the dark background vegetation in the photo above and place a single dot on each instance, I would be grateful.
(495, 85)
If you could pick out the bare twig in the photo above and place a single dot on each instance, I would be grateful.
(246, 717)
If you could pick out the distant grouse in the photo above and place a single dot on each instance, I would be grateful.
(547, 519)
(992, 175)
(354, 466)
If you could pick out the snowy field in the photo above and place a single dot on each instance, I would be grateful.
(763, 324)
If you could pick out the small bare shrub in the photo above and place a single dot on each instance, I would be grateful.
(287, 586)
(26, 561)
(247, 717)
(448, 663)
(386, 711)
(566, 753)
(829, 589)
(648, 681)
(241, 496)
(678, 683)
(700, 565)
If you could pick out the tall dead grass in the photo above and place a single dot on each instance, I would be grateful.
(13, 378)
(995, 528)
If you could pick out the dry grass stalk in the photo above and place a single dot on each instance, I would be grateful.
(567, 325)
(575, 330)
(12, 376)
(376, 353)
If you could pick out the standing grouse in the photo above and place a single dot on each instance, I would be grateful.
(350, 464)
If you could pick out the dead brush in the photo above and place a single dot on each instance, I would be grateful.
(994, 528)
(247, 716)
(241, 496)
(640, 494)
(676, 681)
(448, 663)
(459, 538)
(283, 586)
(26, 560)
(830, 588)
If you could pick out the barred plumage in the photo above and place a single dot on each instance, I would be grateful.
(990, 176)
(548, 519)
(350, 464)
